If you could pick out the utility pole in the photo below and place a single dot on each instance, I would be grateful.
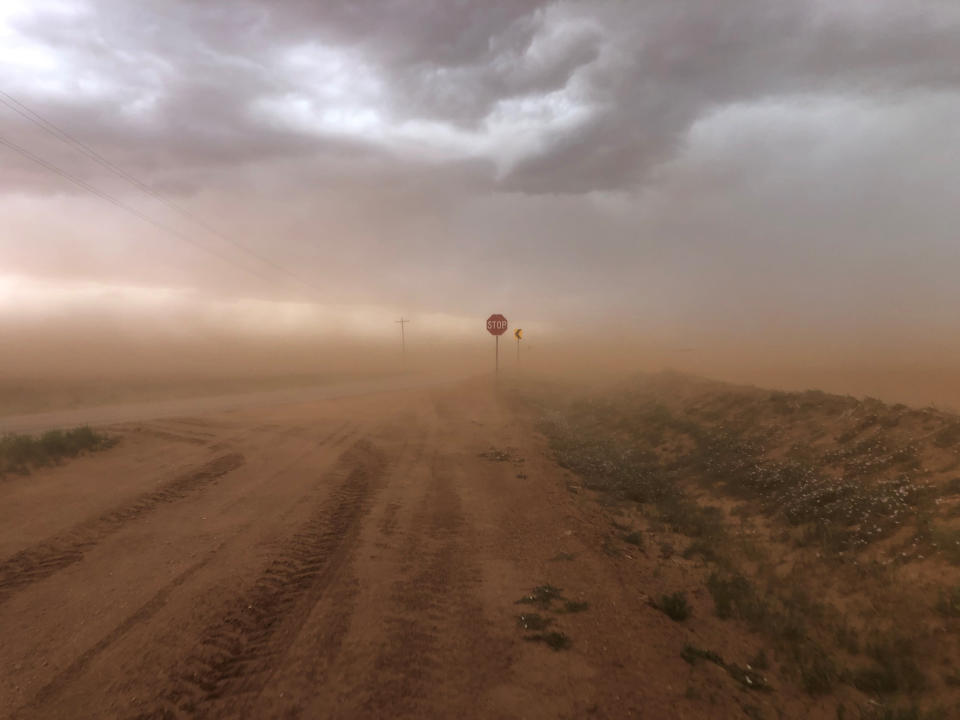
(403, 339)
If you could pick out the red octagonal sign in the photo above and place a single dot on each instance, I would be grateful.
(496, 324)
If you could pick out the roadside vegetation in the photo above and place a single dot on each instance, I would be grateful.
(19, 454)
(825, 528)
(549, 599)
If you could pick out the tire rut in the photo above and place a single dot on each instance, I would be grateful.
(237, 655)
(142, 614)
(294, 684)
(42, 560)
(174, 436)
(438, 579)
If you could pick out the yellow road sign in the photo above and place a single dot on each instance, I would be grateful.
(518, 334)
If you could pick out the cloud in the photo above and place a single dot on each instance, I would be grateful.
(559, 97)
(672, 163)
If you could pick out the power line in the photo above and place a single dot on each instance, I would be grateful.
(36, 118)
(107, 197)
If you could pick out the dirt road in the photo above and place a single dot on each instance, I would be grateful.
(194, 405)
(352, 557)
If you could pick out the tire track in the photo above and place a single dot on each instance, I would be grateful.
(142, 614)
(42, 560)
(344, 432)
(436, 577)
(236, 656)
(436, 621)
(278, 434)
(304, 671)
(173, 436)
(331, 440)
(335, 437)
(206, 425)
(388, 521)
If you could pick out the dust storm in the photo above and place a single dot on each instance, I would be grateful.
(479, 360)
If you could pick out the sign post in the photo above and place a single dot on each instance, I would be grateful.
(403, 340)
(518, 334)
(497, 326)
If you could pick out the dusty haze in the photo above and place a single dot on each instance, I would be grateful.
(232, 485)
(762, 192)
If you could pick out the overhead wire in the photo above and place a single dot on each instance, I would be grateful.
(107, 197)
(36, 118)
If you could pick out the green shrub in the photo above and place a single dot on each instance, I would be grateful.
(675, 606)
(542, 595)
(734, 596)
(693, 655)
(948, 437)
(20, 453)
(894, 670)
(533, 621)
(555, 640)
(818, 672)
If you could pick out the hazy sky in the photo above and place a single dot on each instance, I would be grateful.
(686, 169)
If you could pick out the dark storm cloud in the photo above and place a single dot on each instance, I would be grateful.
(676, 61)
(180, 81)
(668, 163)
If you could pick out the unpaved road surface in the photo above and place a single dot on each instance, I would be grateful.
(355, 557)
(206, 404)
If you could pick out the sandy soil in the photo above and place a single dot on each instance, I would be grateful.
(355, 557)
(198, 402)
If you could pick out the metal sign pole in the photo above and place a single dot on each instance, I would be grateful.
(496, 326)
(403, 340)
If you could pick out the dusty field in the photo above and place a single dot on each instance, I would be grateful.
(350, 558)
(420, 553)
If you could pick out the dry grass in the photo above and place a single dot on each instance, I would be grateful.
(21, 453)
(834, 498)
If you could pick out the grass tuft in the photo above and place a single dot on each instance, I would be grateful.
(894, 669)
(693, 655)
(554, 640)
(674, 606)
(21, 453)
(533, 621)
(542, 595)
(735, 596)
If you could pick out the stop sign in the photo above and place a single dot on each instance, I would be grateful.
(496, 324)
